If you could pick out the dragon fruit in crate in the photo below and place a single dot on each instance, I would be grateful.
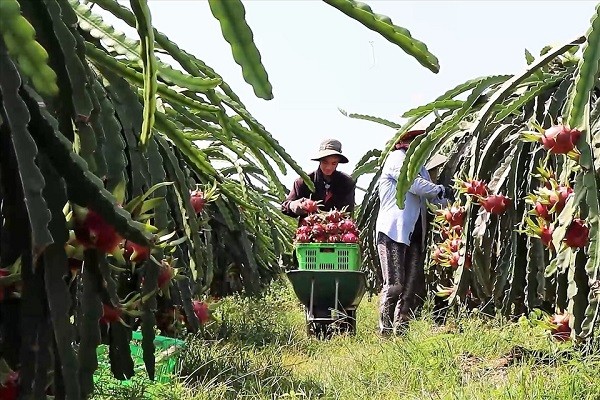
(327, 227)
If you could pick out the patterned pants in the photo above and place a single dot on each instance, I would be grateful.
(403, 281)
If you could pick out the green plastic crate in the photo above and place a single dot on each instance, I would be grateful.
(328, 256)
(166, 355)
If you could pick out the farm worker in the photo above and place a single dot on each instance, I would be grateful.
(401, 238)
(334, 189)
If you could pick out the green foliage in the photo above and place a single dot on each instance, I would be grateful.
(129, 188)
(232, 17)
(401, 37)
(509, 271)
(146, 31)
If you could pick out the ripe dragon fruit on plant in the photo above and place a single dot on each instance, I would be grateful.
(451, 232)
(92, 231)
(558, 139)
(9, 385)
(549, 200)
(541, 210)
(472, 187)
(495, 203)
(199, 198)
(136, 253)
(197, 201)
(111, 314)
(541, 230)
(202, 311)
(578, 234)
(454, 215)
(560, 329)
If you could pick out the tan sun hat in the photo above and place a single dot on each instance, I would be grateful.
(330, 147)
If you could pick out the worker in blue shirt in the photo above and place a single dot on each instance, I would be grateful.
(401, 238)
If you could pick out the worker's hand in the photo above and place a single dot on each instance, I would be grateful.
(297, 207)
(449, 193)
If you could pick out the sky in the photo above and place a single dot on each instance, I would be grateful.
(319, 60)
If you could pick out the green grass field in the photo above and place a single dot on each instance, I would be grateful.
(259, 350)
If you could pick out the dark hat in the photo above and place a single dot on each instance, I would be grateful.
(330, 147)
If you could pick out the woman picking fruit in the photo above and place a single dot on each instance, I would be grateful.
(401, 237)
(333, 189)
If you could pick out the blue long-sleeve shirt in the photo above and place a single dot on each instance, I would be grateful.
(399, 224)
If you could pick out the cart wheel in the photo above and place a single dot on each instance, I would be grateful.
(348, 323)
(319, 330)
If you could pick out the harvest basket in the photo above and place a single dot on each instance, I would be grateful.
(328, 256)
(166, 356)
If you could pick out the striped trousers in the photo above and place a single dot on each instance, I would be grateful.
(403, 274)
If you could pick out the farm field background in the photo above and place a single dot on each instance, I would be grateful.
(139, 184)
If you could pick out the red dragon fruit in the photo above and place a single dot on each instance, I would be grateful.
(558, 198)
(454, 244)
(560, 326)
(311, 220)
(334, 238)
(302, 238)
(350, 237)
(310, 206)
(559, 139)
(436, 256)
(495, 204)
(165, 275)
(197, 200)
(541, 210)
(347, 225)
(474, 187)
(320, 239)
(450, 259)
(202, 311)
(135, 252)
(304, 230)
(577, 234)
(92, 231)
(451, 232)
(110, 314)
(9, 388)
(334, 216)
(332, 228)
(454, 215)
(318, 230)
(546, 236)
(540, 229)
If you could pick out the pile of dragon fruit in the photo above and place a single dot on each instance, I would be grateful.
(327, 227)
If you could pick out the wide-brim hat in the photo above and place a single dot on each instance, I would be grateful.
(330, 147)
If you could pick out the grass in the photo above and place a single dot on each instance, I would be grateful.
(260, 350)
